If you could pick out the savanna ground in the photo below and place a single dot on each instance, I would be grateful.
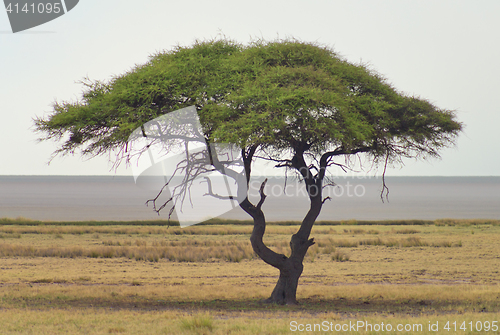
(146, 278)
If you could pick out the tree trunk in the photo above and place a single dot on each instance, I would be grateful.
(285, 291)
(291, 267)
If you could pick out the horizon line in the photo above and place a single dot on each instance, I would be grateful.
(127, 175)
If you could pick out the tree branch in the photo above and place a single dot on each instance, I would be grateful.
(247, 156)
(384, 186)
(325, 158)
(262, 195)
(211, 193)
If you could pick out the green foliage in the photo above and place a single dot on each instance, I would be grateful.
(283, 96)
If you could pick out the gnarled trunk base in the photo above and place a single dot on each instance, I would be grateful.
(285, 291)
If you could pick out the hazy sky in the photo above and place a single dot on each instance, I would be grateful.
(445, 51)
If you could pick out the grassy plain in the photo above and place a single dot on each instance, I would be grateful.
(74, 278)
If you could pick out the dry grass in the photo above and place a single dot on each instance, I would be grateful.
(407, 231)
(94, 321)
(232, 252)
(199, 322)
(206, 280)
(190, 250)
(340, 256)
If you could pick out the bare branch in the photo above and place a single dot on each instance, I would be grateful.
(285, 162)
(262, 195)
(342, 166)
(153, 201)
(215, 195)
(384, 186)
(286, 179)
(330, 184)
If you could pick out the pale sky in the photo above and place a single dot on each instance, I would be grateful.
(445, 51)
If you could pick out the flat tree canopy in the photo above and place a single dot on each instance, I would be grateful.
(297, 104)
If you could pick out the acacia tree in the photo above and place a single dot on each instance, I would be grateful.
(297, 104)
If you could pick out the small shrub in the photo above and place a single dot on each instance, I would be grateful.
(328, 249)
(43, 281)
(198, 323)
(116, 330)
(407, 231)
(325, 242)
(85, 278)
(346, 244)
(108, 252)
(413, 242)
(140, 243)
(340, 256)
(312, 252)
(447, 244)
(49, 281)
(391, 243)
(374, 241)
